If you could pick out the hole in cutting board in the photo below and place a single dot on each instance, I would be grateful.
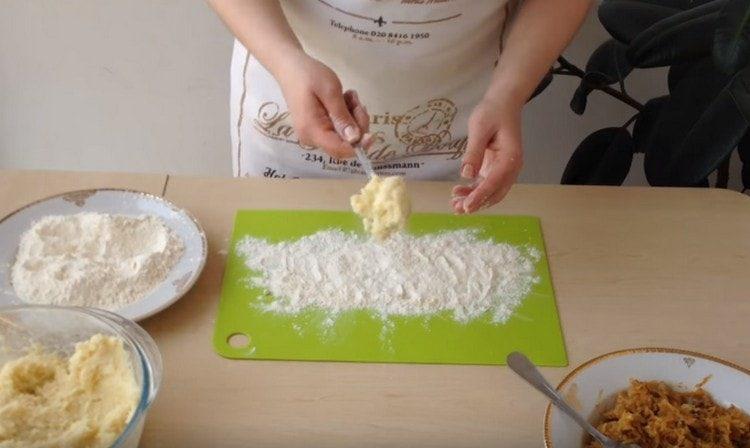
(238, 340)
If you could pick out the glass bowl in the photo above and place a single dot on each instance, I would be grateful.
(58, 329)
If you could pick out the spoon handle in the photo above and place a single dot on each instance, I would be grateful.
(520, 364)
(364, 161)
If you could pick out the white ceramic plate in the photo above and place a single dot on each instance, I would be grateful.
(595, 383)
(180, 279)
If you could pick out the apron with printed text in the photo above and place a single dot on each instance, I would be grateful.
(419, 66)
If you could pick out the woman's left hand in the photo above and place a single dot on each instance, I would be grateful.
(494, 155)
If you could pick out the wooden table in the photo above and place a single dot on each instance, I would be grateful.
(630, 266)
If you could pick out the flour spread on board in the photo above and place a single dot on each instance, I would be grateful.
(405, 275)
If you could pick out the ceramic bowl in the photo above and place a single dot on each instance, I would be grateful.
(125, 202)
(592, 386)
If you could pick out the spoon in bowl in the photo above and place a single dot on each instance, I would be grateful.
(521, 365)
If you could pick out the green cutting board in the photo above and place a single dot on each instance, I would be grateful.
(360, 335)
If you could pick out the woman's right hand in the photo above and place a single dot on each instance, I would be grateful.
(318, 107)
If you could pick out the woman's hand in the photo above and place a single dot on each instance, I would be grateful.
(537, 35)
(494, 155)
(312, 91)
(318, 106)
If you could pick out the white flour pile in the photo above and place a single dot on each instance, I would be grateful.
(93, 259)
(404, 275)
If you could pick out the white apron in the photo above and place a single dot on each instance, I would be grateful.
(419, 66)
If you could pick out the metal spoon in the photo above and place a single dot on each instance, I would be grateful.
(359, 112)
(520, 364)
(363, 160)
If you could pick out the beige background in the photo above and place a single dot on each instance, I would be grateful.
(140, 85)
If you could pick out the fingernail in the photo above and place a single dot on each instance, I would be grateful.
(467, 172)
(351, 134)
(366, 140)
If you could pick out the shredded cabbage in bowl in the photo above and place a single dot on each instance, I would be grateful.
(653, 415)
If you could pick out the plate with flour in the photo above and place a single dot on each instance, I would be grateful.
(125, 251)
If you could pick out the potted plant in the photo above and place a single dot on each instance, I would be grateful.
(688, 133)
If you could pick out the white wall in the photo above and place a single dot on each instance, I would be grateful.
(142, 85)
(128, 85)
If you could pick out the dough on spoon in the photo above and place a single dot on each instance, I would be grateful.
(383, 205)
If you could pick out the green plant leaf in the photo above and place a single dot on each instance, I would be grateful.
(615, 165)
(698, 127)
(678, 71)
(683, 42)
(580, 97)
(731, 47)
(743, 150)
(644, 124)
(625, 19)
(740, 92)
(691, 95)
(543, 84)
(677, 4)
(608, 63)
(710, 140)
(602, 158)
(662, 30)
